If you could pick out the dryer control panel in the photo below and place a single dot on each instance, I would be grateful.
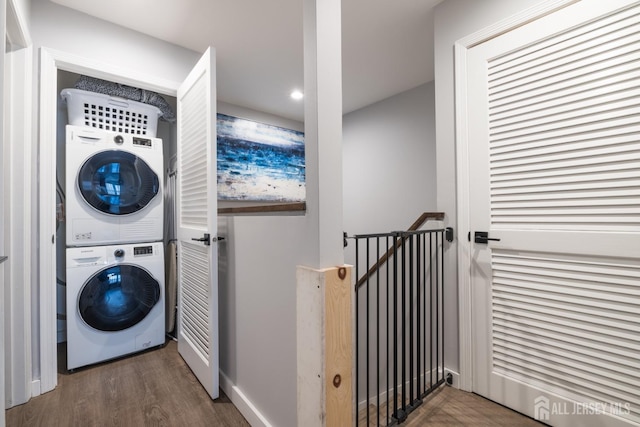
(142, 250)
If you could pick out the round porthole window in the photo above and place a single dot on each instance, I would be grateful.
(118, 297)
(117, 182)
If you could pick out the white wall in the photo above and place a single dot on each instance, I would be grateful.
(67, 30)
(389, 163)
(455, 19)
(257, 294)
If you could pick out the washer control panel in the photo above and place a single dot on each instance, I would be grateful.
(142, 250)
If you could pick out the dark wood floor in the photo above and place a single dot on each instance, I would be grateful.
(154, 388)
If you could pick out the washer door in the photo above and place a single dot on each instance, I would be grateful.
(117, 182)
(118, 297)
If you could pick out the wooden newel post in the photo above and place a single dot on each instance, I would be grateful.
(325, 347)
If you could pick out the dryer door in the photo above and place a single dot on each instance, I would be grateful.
(118, 297)
(117, 182)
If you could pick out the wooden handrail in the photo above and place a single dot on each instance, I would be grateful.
(426, 216)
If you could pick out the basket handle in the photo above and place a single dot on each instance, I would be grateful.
(119, 102)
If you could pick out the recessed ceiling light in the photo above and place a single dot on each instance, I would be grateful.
(297, 95)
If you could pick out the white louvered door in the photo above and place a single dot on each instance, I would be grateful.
(197, 318)
(554, 143)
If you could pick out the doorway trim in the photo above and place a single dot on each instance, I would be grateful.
(466, 345)
(19, 201)
(52, 61)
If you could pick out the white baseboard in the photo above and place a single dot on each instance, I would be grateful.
(253, 416)
(36, 390)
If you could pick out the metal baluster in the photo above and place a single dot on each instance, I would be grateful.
(404, 330)
(424, 314)
(418, 239)
(410, 240)
(395, 327)
(378, 332)
(437, 313)
(430, 311)
(442, 293)
(357, 329)
(388, 332)
(367, 339)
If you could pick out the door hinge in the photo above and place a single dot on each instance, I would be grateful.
(448, 234)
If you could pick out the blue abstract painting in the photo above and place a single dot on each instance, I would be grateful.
(259, 162)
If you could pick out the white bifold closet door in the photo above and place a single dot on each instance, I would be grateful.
(197, 223)
(554, 143)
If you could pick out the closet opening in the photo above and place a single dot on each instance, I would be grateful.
(157, 245)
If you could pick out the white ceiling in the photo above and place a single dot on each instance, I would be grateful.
(387, 45)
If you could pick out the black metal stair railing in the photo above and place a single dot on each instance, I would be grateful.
(399, 322)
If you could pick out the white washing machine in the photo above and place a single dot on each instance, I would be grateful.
(113, 187)
(115, 301)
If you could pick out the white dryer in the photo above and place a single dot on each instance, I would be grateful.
(113, 187)
(115, 301)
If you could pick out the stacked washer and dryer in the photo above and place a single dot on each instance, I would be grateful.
(114, 228)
